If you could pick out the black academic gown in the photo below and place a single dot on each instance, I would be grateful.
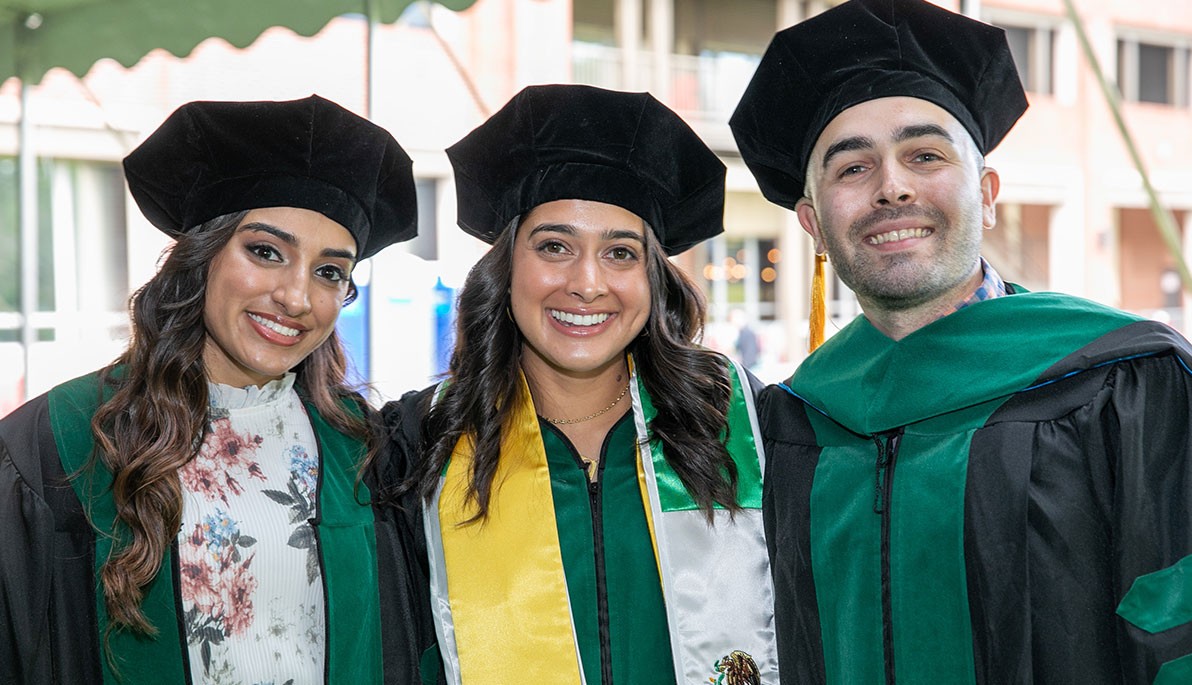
(1004, 496)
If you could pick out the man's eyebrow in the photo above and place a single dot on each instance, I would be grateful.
(846, 145)
(920, 131)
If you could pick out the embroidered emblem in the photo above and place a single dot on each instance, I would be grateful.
(738, 668)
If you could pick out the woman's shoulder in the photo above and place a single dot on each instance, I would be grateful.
(407, 412)
(401, 428)
(29, 448)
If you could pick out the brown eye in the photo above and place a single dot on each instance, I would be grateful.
(331, 273)
(265, 251)
(622, 254)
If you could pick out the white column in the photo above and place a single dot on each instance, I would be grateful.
(971, 8)
(718, 300)
(790, 12)
(662, 40)
(628, 15)
(1066, 243)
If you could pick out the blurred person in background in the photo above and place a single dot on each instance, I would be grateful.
(591, 476)
(969, 483)
(193, 512)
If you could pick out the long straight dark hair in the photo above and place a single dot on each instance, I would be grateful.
(157, 417)
(689, 385)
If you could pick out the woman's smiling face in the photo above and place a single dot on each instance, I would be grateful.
(274, 293)
(579, 288)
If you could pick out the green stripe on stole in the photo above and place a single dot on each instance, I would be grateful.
(741, 445)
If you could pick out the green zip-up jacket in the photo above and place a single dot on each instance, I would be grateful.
(1003, 496)
(52, 619)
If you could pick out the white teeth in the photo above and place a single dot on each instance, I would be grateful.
(579, 319)
(274, 326)
(901, 234)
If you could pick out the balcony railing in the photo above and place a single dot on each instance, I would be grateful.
(705, 86)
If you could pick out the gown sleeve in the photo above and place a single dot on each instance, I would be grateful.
(405, 591)
(1145, 430)
(47, 613)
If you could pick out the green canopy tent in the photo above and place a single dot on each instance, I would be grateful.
(39, 35)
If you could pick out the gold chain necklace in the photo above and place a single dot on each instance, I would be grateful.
(589, 417)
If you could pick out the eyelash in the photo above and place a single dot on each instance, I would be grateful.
(269, 253)
(337, 276)
(554, 247)
(551, 247)
(629, 254)
(265, 251)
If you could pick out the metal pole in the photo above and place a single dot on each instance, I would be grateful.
(370, 56)
(27, 203)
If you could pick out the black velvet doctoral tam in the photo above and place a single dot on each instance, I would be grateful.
(214, 158)
(865, 50)
(569, 142)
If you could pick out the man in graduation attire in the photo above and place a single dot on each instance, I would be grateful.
(970, 483)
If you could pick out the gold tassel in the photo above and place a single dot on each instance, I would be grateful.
(818, 304)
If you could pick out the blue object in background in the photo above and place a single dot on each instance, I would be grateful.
(444, 326)
(352, 328)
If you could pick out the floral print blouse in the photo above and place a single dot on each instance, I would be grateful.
(251, 586)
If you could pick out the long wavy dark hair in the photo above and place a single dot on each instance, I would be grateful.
(688, 385)
(157, 416)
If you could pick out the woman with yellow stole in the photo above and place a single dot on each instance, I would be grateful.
(591, 477)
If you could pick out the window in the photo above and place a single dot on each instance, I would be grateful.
(82, 259)
(1032, 45)
(743, 273)
(82, 279)
(1152, 69)
(1031, 48)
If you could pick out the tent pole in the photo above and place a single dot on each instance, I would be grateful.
(370, 57)
(27, 173)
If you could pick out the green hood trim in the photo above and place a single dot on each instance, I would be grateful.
(347, 545)
(348, 550)
(870, 384)
(139, 658)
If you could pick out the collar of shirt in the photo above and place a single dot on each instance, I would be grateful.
(991, 286)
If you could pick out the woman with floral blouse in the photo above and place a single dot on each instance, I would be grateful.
(192, 512)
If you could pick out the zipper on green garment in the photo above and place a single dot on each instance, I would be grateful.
(887, 453)
(602, 617)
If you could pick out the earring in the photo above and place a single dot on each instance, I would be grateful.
(509, 314)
